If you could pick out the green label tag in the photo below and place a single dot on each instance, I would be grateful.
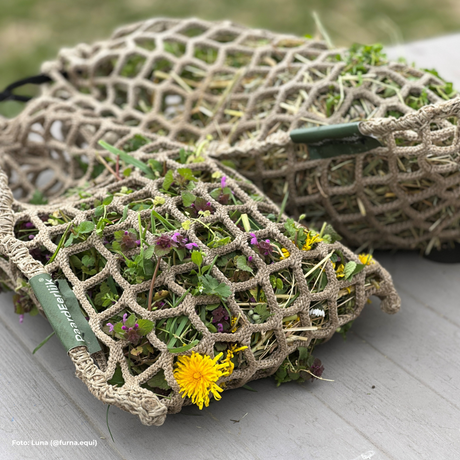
(63, 312)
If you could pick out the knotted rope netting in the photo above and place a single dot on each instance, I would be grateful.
(188, 79)
(168, 256)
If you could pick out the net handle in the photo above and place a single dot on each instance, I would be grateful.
(416, 121)
(133, 399)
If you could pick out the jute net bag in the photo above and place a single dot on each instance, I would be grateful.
(164, 265)
(187, 79)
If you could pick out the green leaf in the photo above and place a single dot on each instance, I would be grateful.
(197, 258)
(213, 287)
(242, 264)
(334, 236)
(163, 220)
(188, 198)
(168, 180)
(75, 261)
(263, 311)
(156, 165)
(291, 228)
(304, 354)
(131, 321)
(184, 348)
(117, 378)
(43, 342)
(126, 158)
(85, 227)
(159, 381)
(112, 285)
(148, 253)
(349, 269)
(145, 326)
(359, 268)
(38, 198)
(88, 261)
(187, 174)
(160, 252)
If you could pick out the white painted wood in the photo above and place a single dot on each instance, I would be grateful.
(35, 410)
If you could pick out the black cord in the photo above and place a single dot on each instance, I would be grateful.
(8, 95)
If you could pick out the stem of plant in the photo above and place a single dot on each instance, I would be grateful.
(149, 303)
(106, 165)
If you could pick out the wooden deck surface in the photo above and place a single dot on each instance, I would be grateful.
(395, 395)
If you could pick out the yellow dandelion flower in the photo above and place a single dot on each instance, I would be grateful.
(310, 241)
(197, 376)
(285, 255)
(339, 271)
(228, 359)
(366, 259)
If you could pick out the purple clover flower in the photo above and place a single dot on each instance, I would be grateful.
(265, 248)
(164, 242)
(317, 368)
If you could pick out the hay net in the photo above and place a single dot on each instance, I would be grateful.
(248, 88)
(270, 300)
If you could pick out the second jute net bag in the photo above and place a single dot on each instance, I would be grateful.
(153, 264)
(248, 89)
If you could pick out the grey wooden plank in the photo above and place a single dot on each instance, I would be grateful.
(433, 285)
(441, 53)
(285, 422)
(403, 416)
(34, 410)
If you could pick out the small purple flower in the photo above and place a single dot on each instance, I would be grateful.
(125, 328)
(253, 239)
(31, 237)
(136, 326)
(250, 259)
(190, 246)
(132, 335)
(21, 318)
(265, 247)
(111, 326)
(317, 368)
(125, 318)
(179, 239)
(138, 242)
(28, 225)
(164, 242)
(220, 328)
(126, 232)
(223, 182)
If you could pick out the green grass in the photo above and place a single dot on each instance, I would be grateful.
(32, 31)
